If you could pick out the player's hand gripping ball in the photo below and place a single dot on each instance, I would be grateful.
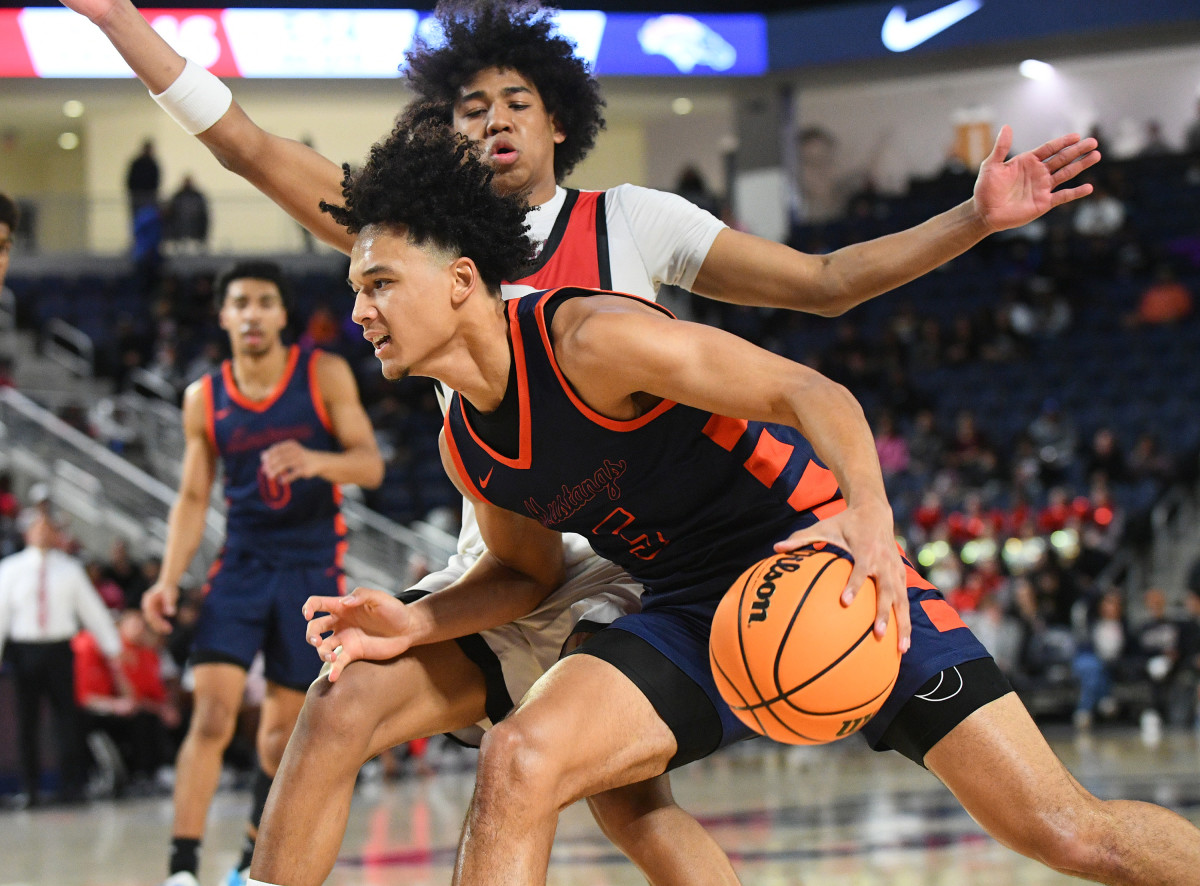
(791, 661)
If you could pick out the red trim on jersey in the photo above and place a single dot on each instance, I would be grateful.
(725, 431)
(942, 615)
(604, 421)
(314, 391)
(525, 431)
(456, 456)
(769, 458)
(339, 558)
(210, 418)
(260, 405)
(576, 258)
(817, 485)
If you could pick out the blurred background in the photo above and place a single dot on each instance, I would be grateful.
(1034, 401)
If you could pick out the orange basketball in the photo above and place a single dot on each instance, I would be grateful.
(792, 661)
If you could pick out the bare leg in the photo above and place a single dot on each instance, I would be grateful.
(665, 842)
(373, 706)
(1000, 768)
(583, 729)
(218, 698)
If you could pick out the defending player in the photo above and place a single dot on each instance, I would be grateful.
(287, 427)
(684, 454)
(505, 78)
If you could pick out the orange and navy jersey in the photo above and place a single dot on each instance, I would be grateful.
(679, 497)
(296, 522)
(576, 252)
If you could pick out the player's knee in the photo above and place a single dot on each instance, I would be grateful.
(514, 760)
(213, 722)
(338, 714)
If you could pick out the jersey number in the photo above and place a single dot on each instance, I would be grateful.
(641, 545)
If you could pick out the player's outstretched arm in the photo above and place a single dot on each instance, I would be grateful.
(1008, 193)
(292, 174)
(613, 350)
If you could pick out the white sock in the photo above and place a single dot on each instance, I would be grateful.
(259, 883)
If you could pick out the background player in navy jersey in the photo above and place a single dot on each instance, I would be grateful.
(287, 427)
(504, 77)
(555, 386)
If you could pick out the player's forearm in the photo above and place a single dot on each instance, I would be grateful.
(842, 439)
(361, 466)
(859, 272)
(489, 594)
(150, 56)
(185, 530)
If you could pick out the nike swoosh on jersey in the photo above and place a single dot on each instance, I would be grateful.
(484, 481)
(900, 33)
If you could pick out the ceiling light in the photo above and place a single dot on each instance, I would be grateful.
(1036, 70)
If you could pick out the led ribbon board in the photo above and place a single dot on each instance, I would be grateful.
(364, 43)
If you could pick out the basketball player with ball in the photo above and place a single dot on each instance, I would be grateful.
(685, 455)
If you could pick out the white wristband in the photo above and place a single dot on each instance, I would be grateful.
(196, 100)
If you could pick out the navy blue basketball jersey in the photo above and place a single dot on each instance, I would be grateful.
(297, 522)
(679, 497)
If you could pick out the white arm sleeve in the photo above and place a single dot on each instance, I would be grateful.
(658, 235)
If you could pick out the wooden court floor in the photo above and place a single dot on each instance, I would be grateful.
(788, 817)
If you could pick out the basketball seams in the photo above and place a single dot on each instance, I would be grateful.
(781, 717)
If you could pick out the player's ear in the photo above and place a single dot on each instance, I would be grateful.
(560, 134)
(466, 279)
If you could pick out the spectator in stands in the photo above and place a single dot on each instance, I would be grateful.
(970, 452)
(692, 187)
(1157, 640)
(185, 222)
(1192, 133)
(1102, 216)
(891, 446)
(110, 592)
(10, 512)
(1149, 462)
(926, 443)
(126, 572)
(1105, 457)
(142, 180)
(45, 596)
(1154, 144)
(9, 216)
(1189, 648)
(1098, 659)
(998, 630)
(136, 712)
(1055, 439)
(1165, 300)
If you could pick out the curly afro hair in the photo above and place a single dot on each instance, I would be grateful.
(517, 35)
(433, 183)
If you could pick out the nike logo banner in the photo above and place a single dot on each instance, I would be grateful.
(900, 33)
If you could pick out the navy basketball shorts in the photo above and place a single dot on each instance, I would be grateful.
(253, 605)
(664, 651)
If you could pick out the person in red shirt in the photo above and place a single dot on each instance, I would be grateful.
(132, 707)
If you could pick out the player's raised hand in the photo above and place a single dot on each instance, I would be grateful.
(1013, 192)
(365, 624)
(867, 534)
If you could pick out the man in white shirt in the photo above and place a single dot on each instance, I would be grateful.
(45, 597)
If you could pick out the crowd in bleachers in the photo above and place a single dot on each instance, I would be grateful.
(1033, 400)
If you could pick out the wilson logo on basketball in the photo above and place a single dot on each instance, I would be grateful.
(766, 587)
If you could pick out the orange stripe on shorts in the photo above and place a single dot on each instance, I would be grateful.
(942, 615)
